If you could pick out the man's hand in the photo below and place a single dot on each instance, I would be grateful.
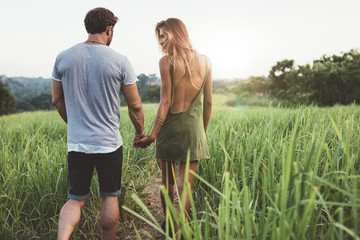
(144, 142)
(137, 138)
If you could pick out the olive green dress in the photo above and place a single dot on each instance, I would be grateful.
(183, 131)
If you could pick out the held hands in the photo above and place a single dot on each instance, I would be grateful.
(143, 142)
(137, 137)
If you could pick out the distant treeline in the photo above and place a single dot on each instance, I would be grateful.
(19, 94)
(328, 81)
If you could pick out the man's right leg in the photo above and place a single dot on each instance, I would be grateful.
(109, 217)
(69, 218)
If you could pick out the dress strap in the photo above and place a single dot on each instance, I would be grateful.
(172, 85)
(207, 72)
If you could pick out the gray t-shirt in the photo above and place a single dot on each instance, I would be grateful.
(92, 77)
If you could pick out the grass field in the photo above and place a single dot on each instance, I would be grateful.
(274, 173)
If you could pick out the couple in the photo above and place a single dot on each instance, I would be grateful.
(87, 81)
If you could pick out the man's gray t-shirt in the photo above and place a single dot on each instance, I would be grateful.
(92, 77)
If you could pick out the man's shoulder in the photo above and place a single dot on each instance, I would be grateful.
(116, 53)
(69, 50)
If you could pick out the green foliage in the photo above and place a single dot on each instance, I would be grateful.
(256, 85)
(24, 105)
(329, 81)
(336, 79)
(278, 76)
(7, 100)
(28, 88)
(142, 84)
(152, 94)
(225, 86)
(145, 81)
(31, 93)
(42, 102)
(148, 88)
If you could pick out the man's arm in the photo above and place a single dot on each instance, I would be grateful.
(135, 108)
(58, 98)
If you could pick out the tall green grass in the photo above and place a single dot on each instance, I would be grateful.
(274, 173)
(33, 176)
(278, 174)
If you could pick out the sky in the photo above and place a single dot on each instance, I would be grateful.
(242, 38)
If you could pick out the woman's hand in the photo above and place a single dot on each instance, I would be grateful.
(144, 142)
(137, 138)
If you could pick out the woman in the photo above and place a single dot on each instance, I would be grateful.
(180, 124)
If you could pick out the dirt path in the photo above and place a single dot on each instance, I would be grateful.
(150, 197)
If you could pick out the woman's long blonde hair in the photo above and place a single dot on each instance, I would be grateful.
(179, 48)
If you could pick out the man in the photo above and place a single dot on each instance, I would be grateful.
(86, 86)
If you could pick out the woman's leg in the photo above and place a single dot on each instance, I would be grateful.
(167, 180)
(180, 184)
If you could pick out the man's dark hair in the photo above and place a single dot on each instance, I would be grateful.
(97, 19)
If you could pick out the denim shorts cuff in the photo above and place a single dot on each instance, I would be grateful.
(76, 197)
(111, 193)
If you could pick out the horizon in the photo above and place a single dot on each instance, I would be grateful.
(242, 78)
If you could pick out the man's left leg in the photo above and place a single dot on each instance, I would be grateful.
(80, 170)
(69, 218)
(109, 216)
(109, 168)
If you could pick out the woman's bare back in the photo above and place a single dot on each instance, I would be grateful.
(186, 90)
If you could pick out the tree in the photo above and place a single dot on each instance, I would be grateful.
(336, 79)
(24, 105)
(330, 80)
(152, 94)
(7, 100)
(278, 73)
(142, 84)
(42, 102)
(257, 84)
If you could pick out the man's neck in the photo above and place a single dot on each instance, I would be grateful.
(97, 39)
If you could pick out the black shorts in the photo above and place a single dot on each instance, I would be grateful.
(81, 167)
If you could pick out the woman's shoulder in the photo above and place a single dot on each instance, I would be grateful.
(164, 60)
(204, 59)
(164, 63)
(207, 59)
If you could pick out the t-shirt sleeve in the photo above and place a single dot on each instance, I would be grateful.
(55, 73)
(129, 76)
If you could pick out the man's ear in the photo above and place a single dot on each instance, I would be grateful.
(108, 30)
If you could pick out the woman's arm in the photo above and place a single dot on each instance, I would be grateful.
(165, 101)
(207, 104)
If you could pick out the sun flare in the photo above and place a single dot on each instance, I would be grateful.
(230, 55)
